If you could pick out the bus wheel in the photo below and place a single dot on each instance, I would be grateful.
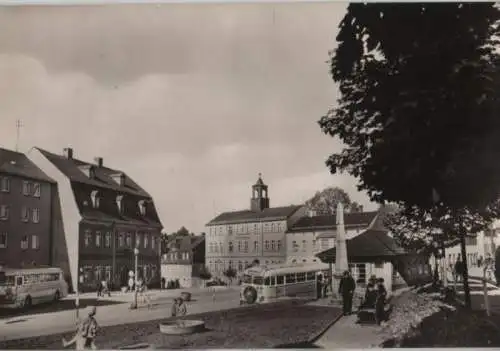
(57, 296)
(250, 294)
(27, 302)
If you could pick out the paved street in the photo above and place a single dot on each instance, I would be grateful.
(25, 326)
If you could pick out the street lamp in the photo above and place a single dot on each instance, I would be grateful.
(136, 256)
(78, 282)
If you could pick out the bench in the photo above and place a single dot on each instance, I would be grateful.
(366, 315)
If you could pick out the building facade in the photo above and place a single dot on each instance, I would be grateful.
(25, 212)
(184, 260)
(100, 215)
(236, 239)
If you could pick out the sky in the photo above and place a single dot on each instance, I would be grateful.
(192, 101)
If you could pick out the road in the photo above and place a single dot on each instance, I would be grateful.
(25, 326)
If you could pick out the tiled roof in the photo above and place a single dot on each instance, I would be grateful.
(308, 223)
(185, 243)
(17, 164)
(246, 216)
(103, 175)
(368, 246)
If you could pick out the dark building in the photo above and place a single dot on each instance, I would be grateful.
(100, 216)
(184, 260)
(25, 212)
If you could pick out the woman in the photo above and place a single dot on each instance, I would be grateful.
(86, 333)
(370, 296)
(380, 301)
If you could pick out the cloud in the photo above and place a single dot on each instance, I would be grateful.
(191, 101)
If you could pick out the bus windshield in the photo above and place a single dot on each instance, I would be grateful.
(258, 280)
(6, 280)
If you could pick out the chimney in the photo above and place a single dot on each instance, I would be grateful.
(98, 161)
(68, 153)
(361, 209)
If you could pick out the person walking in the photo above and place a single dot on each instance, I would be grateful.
(346, 290)
(173, 310)
(181, 308)
(99, 288)
(380, 301)
(86, 333)
(459, 269)
(319, 286)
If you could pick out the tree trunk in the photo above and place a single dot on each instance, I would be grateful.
(465, 272)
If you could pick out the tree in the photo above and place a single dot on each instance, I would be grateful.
(204, 273)
(230, 273)
(325, 202)
(417, 112)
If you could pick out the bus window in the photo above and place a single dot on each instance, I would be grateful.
(19, 281)
(301, 277)
(290, 278)
(267, 281)
(280, 280)
(310, 276)
(258, 280)
(247, 279)
(273, 280)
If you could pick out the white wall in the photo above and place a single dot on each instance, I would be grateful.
(183, 272)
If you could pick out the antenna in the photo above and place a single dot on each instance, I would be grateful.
(19, 125)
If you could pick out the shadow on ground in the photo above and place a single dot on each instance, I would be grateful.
(63, 305)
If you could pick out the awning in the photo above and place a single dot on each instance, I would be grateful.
(369, 246)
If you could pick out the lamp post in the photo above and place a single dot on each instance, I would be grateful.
(77, 300)
(136, 256)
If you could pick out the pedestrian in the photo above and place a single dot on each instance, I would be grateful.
(162, 285)
(319, 286)
(86, 333)
(99, 288)
(131, 284)
(326, 286)
(173, 310)
(459, 269)
(480, 261)
(181, 307)
(380, 301)
(104, 288)
(346, 290)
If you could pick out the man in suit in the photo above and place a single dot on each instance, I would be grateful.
(346, 290)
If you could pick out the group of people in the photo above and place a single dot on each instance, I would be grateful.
(103, 289)
(179, 308)
(375, 295)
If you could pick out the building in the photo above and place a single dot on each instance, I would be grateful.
(184, 260)
(236, 239)
(312, 234)
(99, 216)
(25, 212)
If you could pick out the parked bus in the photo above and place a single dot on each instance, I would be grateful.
(22, 288)
(262, 284)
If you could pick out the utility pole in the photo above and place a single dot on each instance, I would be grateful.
(18, 131)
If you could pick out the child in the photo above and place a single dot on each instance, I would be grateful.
(86, 333)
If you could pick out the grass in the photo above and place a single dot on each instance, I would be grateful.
(261, 326)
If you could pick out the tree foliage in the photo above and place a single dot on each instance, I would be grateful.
(204, 273)
(325, 201)
(230, 273)
(419, 101)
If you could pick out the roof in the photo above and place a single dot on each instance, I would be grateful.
(267, 214)
(103, 175)
(18, 164)
(310, 223)
(371, 245)
(282, 269)
(185, 242)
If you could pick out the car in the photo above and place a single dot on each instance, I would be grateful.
(216, 282)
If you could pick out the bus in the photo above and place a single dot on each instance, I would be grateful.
(262, 284)
(23, 288)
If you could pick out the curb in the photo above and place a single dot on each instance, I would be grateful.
(316, 337)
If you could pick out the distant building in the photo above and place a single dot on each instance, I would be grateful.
(25, 212)
(100, 215)
(236, 239)
(312, 234)
(184, 260)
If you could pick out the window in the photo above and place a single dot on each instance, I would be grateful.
(240, 266)
(24, 242)
(129, 240)
(471, 240)
(379, 265)
(256, 246)
(230, 230)
(4, 184)
(121, 240)
(239, 246)
(153, 242)
(137, 239)
(301, 277)
(221, 248)
(26, 187)
(280, 280)
(35, 215)
(245, 246)
(35, 243)
(107, 240)
(304, 246)
(146, 241)
(25, 214)
(36, 189)
(266, 245)
(98, 239)
(230, 246)
(273, 245)
(290, 278)
(278, 245)
(256, 229)
(295, 247)
(4, 212)
(94, 197)
(216, 248)
(3, 240)
(310, 276)
(87, 238)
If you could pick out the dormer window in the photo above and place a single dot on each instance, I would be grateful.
(119, 178)
(119, 203)
(88, 170)
(142, 207)
(96, 200)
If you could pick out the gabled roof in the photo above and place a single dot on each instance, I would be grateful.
(185, 242)
(267, 214)
(103, 175)
(17, 164)
(325, 222)
(369, 246)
